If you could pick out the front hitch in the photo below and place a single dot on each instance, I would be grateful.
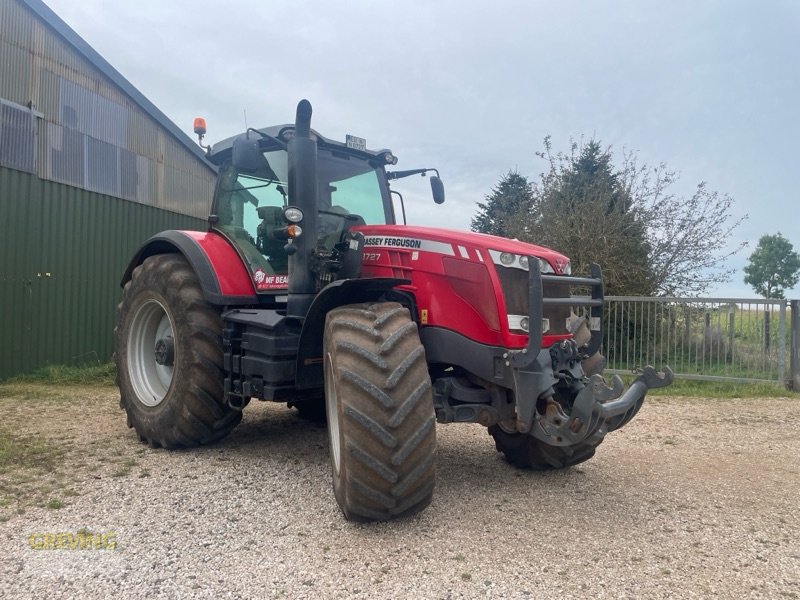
(598, 408)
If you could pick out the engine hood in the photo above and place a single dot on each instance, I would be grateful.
(461, 241)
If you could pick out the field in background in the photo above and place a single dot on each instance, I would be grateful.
(700, 338)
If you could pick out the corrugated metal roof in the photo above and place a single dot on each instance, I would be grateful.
(79, 44)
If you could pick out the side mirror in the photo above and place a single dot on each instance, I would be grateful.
(437, 189)
(247, 155)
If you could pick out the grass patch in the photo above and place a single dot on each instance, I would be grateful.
(29, 472)
(27, 452)
(717, 389)
(20, 391)
(55, 504)
(99, 375)
(125, 468)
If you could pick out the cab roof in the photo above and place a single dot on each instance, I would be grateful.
(221, 151)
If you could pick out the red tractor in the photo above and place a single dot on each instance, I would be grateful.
(304, 290)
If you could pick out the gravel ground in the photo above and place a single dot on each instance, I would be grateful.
(694, 498)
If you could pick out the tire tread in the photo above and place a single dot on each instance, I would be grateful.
(387, 420)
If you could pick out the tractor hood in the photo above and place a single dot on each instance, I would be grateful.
(458, 243)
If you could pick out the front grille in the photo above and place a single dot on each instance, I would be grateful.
(514, 283)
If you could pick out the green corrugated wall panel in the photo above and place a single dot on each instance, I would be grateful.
(83, 240)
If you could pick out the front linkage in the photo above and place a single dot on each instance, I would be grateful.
(536, 372)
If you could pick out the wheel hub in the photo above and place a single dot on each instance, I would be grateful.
(165, 351)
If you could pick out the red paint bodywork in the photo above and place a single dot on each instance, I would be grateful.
(448, 293)
(455, 284)
(233, 278)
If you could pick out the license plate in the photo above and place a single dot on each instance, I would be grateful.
(356, 143)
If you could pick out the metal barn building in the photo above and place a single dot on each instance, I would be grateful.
(89, 169)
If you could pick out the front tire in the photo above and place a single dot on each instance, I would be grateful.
(526, 452)
(379, 403)
(169, 357)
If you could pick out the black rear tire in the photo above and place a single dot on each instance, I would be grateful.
(381, 422)
(178, 402)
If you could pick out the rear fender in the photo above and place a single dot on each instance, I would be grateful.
(340, 293)
(223, 278)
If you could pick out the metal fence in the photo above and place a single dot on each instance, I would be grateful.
(716, 339)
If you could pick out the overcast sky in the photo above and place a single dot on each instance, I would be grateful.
(712, 88)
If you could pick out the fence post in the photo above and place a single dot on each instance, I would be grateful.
(794, 381)
(731, 336)
(782, 342)
(765, 330)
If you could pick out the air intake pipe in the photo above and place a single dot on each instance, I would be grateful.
(303, 193)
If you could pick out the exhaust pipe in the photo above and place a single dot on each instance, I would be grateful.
(303, 193)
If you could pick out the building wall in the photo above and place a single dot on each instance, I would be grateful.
(86, 176)
(64, 120)
(62, 254)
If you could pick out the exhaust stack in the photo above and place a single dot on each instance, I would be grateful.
(303, 193)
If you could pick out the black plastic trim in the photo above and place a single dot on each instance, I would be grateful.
(448, 347)
(333, 295)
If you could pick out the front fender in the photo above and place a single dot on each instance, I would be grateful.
(333, 295)
(223, 278)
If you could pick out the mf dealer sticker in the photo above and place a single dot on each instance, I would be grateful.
(264, 281)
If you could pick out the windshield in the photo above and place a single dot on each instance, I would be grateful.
(249, 207)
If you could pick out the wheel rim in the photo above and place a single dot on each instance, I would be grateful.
(149, 379)
(331, 407)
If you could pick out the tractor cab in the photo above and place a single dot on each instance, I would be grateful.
(252, 194)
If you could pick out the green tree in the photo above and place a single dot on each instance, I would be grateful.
(773, 266)
(500, 213)
(585, 210)
(623, 216)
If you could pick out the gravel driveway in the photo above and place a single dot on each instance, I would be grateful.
(694, 498)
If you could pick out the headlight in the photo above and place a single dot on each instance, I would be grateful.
(507, 258)
(567, 268)
(544, 266)
(292, 214)
(523, 262)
